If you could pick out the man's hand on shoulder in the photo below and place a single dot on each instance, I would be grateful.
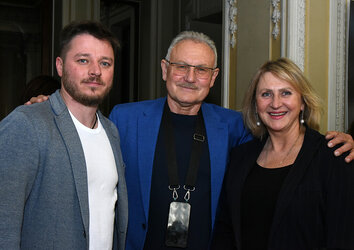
(37, 99)
(347, 141)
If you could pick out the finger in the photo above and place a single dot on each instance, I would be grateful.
(342, 138)
(41, 98)
(38, 99)
(345, 148)
(336, 140)
(331, 134)
(33, 100)
(350, 157)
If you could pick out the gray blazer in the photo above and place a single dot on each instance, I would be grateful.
(43, 180)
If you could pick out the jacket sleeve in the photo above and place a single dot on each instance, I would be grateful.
(240, 134)
(19, 157)
(340, 204)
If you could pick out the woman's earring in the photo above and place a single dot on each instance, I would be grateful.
(258, 122)
(302, 121)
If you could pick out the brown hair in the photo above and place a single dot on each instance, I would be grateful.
(93, 28)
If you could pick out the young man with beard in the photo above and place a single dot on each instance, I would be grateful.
(62, 175)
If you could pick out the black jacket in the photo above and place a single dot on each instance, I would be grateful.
(315, 207)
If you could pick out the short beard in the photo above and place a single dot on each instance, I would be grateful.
(74, 92)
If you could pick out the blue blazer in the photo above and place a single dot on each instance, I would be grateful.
(43, 180)
(138, 125)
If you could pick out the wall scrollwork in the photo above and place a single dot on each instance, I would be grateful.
(232, 23)
(276, 16)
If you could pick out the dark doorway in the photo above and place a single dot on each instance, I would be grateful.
(25, 47)
(122, 17)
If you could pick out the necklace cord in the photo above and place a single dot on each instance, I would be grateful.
(287, 154)
(94, 124)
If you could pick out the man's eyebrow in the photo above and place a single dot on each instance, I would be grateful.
(184, 63)
(88, 55)
(82, 54)
(106, 58)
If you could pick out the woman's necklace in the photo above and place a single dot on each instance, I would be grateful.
(287, 154)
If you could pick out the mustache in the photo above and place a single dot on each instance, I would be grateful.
(187, 85)
(96, 79)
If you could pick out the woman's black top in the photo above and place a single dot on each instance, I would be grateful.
(259, 197)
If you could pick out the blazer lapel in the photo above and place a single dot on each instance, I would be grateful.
(294, 177)
(148, 130)
(76, 154)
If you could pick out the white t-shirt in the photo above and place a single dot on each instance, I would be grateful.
(102, 180)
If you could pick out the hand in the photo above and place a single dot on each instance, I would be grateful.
(346, 139)
(37, 99)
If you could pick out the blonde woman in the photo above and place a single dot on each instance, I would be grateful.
(285, 189)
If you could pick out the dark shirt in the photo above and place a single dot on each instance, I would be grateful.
(259, 198)
(161, 196)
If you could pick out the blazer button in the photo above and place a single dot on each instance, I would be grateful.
(144, 226)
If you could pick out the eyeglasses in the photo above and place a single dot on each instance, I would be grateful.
(183, 68)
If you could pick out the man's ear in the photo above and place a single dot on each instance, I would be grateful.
(213, 77)
(164, 69)
(59, 65)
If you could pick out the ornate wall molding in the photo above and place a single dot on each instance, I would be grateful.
(276, 17)
(232, 21)
(225, 67)
(337, 76)
(296, 32)
(229, 38)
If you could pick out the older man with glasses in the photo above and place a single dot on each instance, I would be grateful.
(176, 150)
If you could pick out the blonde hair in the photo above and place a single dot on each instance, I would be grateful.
(288, 71)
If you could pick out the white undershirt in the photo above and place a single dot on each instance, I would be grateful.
(102, 178)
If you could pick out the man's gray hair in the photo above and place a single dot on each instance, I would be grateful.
(196, 37)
